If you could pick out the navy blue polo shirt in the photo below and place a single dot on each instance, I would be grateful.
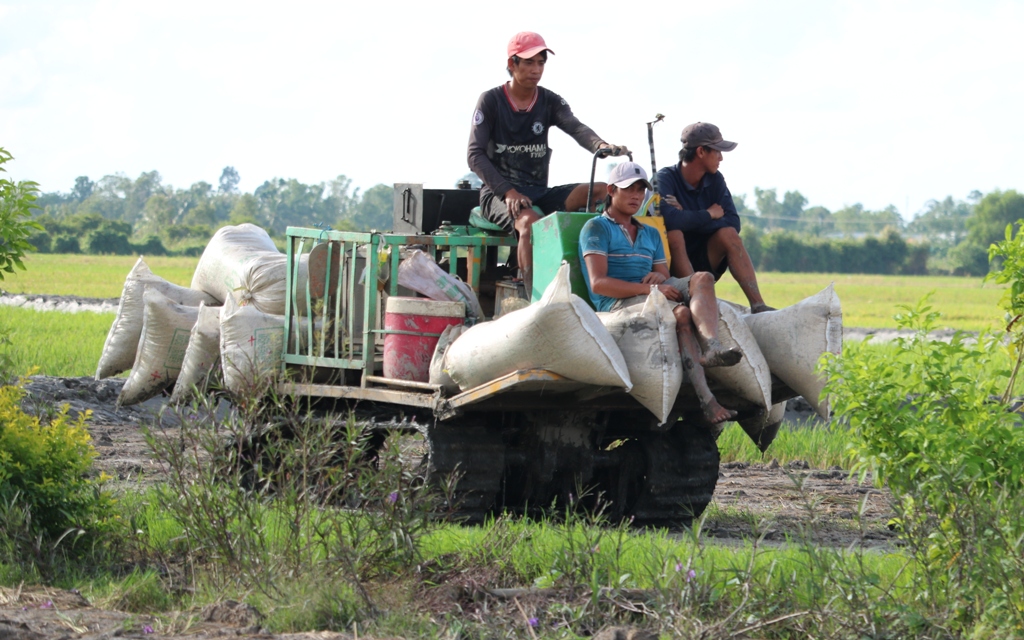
(693, 219)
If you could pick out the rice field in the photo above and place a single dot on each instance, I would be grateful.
(90, 276)
(871, 300)
(53, 344)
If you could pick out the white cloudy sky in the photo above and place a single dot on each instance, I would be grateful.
(878, 102)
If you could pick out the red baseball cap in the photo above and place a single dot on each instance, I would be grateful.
(526, 44)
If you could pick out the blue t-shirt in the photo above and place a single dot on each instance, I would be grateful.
(627, 260)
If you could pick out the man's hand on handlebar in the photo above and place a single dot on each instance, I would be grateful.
(607, 150)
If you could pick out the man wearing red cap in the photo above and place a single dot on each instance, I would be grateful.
(508, 148)
(701, 221)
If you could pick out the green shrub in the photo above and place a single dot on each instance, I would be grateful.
(932, 427)
(45, 487)
(66, 243)
(17, 200)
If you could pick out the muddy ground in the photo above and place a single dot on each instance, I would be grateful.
(779, 504)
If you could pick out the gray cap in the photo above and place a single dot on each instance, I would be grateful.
(705, 134)
(626, 173)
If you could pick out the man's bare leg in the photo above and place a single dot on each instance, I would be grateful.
(524, 252)
(681, 265)
(577, 199)
(726, 244)
(689, 349)
(704, 310)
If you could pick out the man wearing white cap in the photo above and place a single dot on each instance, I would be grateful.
(700, 216)
(508, 148)
(622, 259)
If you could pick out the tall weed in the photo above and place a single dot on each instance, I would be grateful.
(273, 492)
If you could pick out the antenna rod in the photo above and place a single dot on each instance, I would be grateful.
(654, 166)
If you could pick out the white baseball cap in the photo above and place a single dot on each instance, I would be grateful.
(626, 173)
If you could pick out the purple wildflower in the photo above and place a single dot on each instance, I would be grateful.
(679, 567)
(147, 629)
(533, 622)
(47, 605)
(393, 497)
(690, 575)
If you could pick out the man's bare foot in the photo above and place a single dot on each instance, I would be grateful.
(760, 307)
(721, 357)
(716, 413)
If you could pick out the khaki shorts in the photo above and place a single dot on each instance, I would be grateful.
(682, 285)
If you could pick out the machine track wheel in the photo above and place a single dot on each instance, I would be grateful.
(472, 454)
(681, 474)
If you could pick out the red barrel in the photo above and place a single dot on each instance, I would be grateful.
(412, 327)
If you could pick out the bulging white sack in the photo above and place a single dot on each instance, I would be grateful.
(438, 373)
(750, 378)
(201, 355)
(243, 259)
(793, 339)
(166, 327)
(646, 336)
(122, 341)
(251, 345)
(559, 333)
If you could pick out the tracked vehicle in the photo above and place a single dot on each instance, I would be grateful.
(520, 442)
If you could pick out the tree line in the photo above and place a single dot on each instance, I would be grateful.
(950, 237)
(118, 215)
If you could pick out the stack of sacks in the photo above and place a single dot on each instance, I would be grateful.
(793, 340)
(163, 331)
(646, 336)
(122, 342)
(251, 345)
(559, 333)
(166, 326)
(245, 260)
(201, 356)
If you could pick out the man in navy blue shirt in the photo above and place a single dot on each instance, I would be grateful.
(622, 259)
(701, 221)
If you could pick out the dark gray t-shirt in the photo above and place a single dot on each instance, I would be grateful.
(509, 148)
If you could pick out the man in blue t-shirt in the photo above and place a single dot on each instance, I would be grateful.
(701, 221)
(622, 259)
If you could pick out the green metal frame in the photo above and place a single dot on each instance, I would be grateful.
(326, 338)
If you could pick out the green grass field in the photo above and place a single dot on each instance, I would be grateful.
(54, 344)
(868, 300)
(70, 344)
(90, 276)
(871, 301)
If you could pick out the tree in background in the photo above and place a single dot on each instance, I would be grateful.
(229, 180)
(991, 216)
(945, 220)
(83, 188)
(17, 200)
